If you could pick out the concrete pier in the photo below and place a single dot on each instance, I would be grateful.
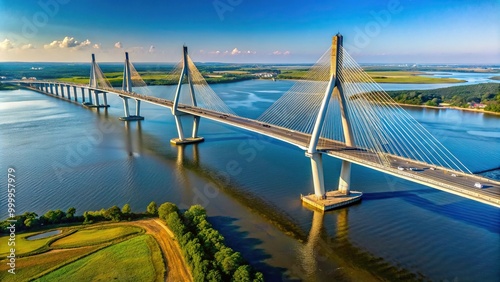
(331, 200)
(188, 140)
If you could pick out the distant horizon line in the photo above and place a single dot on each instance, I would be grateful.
(494, 65)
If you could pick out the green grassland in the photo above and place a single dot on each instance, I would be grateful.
(87, 236)
(158, 78)
(8, 87)
(382, 76)
(24, 246)
(37, 265)
(104, 251)
(131, 260)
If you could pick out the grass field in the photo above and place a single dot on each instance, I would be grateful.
(131, 260)
(95, 235)
(33, 266)
(24, 246)
(105, 252)
(116, 78)
(408, 77)
(383, 77)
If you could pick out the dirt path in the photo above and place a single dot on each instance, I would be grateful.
(177, 269)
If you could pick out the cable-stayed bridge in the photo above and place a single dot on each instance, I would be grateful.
(337, 110)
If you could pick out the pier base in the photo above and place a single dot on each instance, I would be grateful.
(332, 200)
(131, 118)
(90, 105)
(189, 140)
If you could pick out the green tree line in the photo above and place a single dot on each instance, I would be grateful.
(459, 96)
(203, 246)
(31, 220)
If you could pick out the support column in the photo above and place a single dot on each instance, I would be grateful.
(345, 178)
(127, 86)
(62, 90)
(83, 94)
(96, 98)
(75, 93)
(56, 86)
(317, 174)
(177, 114)
(125, 108)
(68, 91)
(196, 122)
(138, 108)
(105, 98)
(343, 196)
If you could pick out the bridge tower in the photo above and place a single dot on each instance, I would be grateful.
(94, 83)
(177, 114)
(127, 86)
(334, 88)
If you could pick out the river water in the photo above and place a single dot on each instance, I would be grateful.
(69, 156)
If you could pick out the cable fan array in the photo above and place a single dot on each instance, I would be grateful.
(139, 86)
(100, 80)
(205, 97)
(380, 127)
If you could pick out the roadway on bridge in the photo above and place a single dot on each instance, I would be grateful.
(441, 178)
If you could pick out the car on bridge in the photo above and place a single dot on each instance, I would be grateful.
(478, 185)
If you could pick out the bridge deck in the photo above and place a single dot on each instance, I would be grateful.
(439, 177)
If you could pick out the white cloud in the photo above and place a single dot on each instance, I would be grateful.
(67, 42)
(151, 49)
(97, 46)
(235, 51)
(6, 44)
(277, 52)
(118, 45)
(27, 46)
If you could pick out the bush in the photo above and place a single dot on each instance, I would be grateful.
(165, 209)
(152, 209)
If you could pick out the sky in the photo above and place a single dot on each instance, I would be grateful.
(245, 31)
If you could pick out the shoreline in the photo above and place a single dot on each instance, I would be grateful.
(448, 107)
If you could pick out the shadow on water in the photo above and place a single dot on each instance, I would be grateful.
(465, 211)
(247, 246)
(396, 194)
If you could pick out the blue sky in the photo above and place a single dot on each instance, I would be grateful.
(392, 31)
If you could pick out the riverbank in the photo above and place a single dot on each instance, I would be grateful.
(450, 107)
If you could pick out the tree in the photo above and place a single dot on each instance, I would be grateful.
(152, 208)
(30, 219)
(194, 215)
(126, 209)
(214, 275)
(114, 213)
(165, 209)
(259, 277)
(70, 214)
(87, 218)
(242, 274)
(176, 225)
(53, 217)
